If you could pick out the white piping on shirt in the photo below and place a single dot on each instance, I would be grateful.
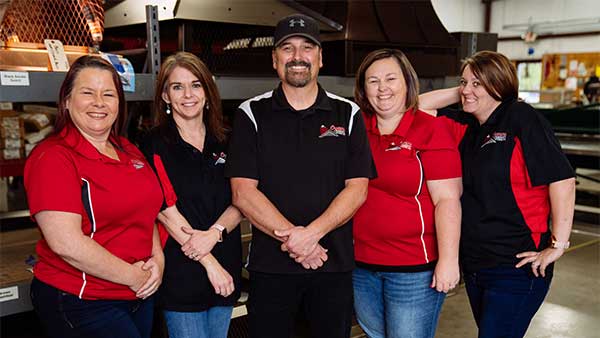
(419, 204)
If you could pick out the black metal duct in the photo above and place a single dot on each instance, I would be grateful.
(409, 25)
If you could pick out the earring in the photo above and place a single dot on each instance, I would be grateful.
(168, 110)
(206, 106)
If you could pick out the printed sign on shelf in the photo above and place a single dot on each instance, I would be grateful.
(14, 78)
(9, 293)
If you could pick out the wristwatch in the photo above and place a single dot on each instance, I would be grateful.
(222, 231)
(556, 244)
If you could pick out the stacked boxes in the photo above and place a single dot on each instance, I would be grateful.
(20, 132)
(12, 135)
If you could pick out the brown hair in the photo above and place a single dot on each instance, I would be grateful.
(87, 61)
(408, 72)
(495, 72)
(213, 115)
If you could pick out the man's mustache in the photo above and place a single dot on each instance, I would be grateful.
(298, 63)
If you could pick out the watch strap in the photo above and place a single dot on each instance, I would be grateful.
(556, 244)
(222, 231)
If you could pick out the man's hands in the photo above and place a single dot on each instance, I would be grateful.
(302, 244)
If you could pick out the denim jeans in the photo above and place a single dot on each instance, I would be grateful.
(64, 315)
(212, 323)
(396, 304)
(504, 299)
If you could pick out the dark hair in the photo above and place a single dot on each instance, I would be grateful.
(408, 72)
(213, 116)
(495, 72)
(87, 61)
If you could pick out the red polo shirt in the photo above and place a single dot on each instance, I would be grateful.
(395, 226)
(117, 200)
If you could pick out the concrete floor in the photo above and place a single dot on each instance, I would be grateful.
(572, 307)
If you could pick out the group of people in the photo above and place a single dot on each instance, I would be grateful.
(367, 208)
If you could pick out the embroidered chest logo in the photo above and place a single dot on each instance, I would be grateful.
(403, 145)
(332, 131)
(219, 158)
(494, 138)
(137, 164)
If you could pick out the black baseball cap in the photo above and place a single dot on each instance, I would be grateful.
(297, 25)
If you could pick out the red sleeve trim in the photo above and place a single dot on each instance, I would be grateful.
(168, 191)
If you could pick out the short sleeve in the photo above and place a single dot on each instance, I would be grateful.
(441, 159)
(359, 161)
(544, 158)
(242, 157)
(456, 122)
(148, 147)
(52, 182)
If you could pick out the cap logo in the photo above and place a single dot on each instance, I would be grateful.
(293, 22)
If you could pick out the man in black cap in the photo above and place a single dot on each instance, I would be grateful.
(299, 162)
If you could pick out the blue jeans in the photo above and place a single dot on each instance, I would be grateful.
(64, 315)
(505, 299)
(212, 323)
(396, 304)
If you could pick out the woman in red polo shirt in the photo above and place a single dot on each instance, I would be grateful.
(95, 199)
(406, 234)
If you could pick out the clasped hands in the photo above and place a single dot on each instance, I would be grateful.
(198, 246)
(302, 245)
(200, 243)
(149, 276)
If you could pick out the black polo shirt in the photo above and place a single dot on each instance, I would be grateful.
(301, 160)
(194, 181)
(508, 163)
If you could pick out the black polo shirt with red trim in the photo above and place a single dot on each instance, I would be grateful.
(193, 180)
(394, 230)
(508, 163)
(118, 201)
(301, 160)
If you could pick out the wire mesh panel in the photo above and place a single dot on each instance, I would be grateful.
(73, 22)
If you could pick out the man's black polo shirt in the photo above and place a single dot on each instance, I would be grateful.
(508, 163)
(301, 160)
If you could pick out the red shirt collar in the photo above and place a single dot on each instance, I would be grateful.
(72, 137)
(402, 128)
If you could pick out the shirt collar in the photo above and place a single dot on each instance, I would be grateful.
(72, 137)
(402, 128)
(209, 140)
(280, 102)
(499, 112)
